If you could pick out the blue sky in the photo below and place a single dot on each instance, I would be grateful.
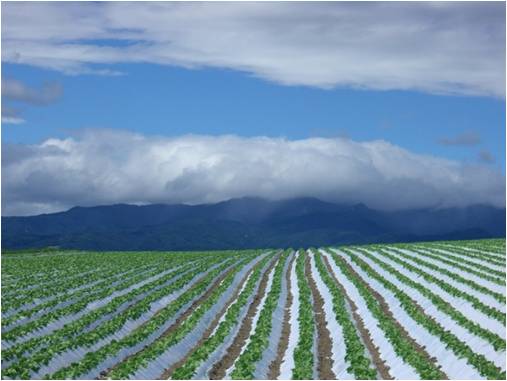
(406, 100)
(164, 100)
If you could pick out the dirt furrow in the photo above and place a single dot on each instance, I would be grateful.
(380, 365)
(324, 354)
(385, 308)
(169, 371)
(274, 367)
(179, 320)
(219, 369)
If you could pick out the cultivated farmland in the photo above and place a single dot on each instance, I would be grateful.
(398, 311)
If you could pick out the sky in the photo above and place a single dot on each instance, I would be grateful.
(395, 105)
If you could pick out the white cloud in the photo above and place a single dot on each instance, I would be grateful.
(452, 47)
(12, 120)
(10, 115)
(17, 91)
(106, 166)
(14, 90)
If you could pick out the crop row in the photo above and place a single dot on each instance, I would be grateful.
(73, 334)
(77, 307)
(496, 260)
(497, 276)
(202, 352)
(180, 329)
(73, 297)
(93, 359)
(366, 312)
(495, 340)
(483, 365)
(245, 365)
(356, 353)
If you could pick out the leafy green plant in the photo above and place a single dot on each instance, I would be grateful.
(360, 364)
(462, 350)
(245, 365)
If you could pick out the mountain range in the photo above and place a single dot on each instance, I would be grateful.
(245, 223)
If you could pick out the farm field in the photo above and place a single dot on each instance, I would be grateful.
(433, 310)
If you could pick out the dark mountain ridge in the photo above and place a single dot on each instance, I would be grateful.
(244, 223)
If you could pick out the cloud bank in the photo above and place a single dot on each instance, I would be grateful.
(107, 166)
(446, 48)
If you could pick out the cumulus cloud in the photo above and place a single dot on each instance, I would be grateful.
(467, 138)
(106, 166)
(450, 47)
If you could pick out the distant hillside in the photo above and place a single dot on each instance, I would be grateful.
(244, 223)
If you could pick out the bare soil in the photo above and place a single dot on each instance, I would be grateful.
(325, 362)
(274, 367)
(385, 309)
(219, 369)
(382, 368)
(169, 371)
(104, 374)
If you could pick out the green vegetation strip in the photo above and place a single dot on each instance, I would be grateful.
(457, 257)
(461, 264)
(245, 365)
(94, 359)
(202, 353)
(476, 303)
(491, 243)
(360, 364)
(158, 347)
(490, 246)
(71, 336)
(492, 259)
(495, 340)
(60, 285)
(56, 278)
(485, 367)
(102, 292)
(32, 295)
(303, 353)
(402, 346)
(458, 278)
(89, 294)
